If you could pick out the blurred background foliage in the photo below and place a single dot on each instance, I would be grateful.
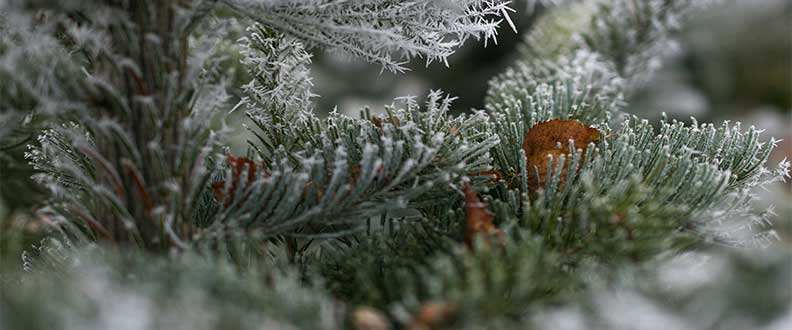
(734, 62)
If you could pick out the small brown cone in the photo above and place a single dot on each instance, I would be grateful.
(552, 138)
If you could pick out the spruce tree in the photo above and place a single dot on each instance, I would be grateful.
(551, 207)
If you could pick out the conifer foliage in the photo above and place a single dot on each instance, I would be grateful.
(516, 216)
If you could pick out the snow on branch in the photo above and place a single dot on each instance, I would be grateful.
(386, 32)
(281, 81)
(332, 173)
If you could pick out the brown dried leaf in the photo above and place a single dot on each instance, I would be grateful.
(377, 122)
(390, 118)
(238, 165)
(552, 138)
(478, 218)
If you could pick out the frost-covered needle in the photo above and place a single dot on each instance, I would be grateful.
(505, 11)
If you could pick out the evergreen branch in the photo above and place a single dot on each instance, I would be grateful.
(344, 170)
(698, 169)
(375, 30)
(129, 161)
(88, 287)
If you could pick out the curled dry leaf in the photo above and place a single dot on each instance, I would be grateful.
(552, 138)
(434, 316)
(478, 219)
